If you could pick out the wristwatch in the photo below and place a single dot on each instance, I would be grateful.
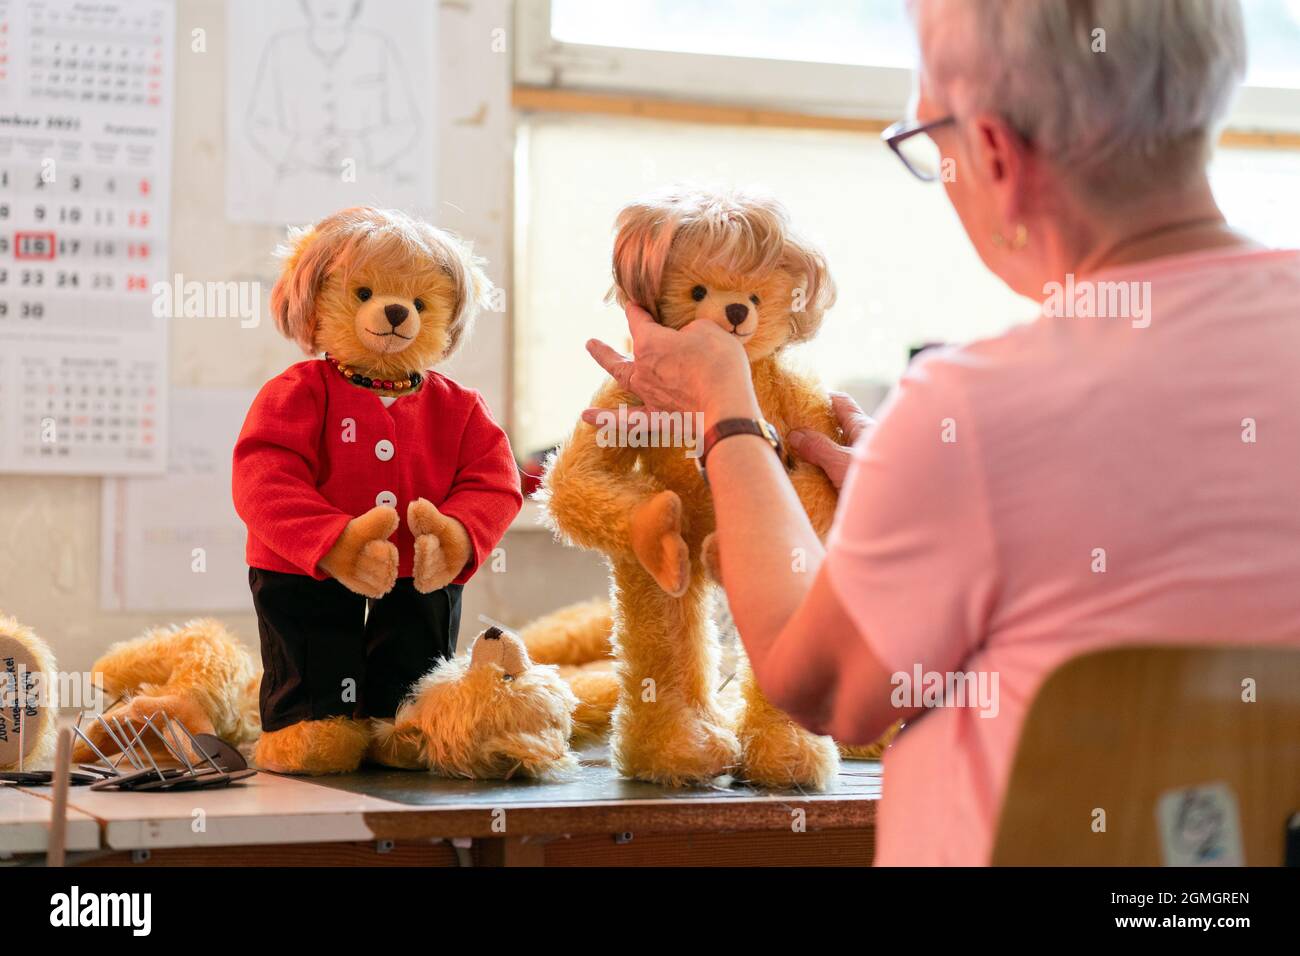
(738, 426)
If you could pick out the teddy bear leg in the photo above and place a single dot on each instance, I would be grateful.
(314, 747)
(394, 746)
(577, 634)
(668, 726)
(778, 753)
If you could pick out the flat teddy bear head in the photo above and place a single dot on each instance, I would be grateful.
(493, 714)
(731, 258)
(379, 291)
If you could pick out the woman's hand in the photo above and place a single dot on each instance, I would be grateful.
(699, 368)
(830, 457)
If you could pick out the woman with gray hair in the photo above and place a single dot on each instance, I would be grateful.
(1122, 470)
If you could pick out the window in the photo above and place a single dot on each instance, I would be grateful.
(905, 271)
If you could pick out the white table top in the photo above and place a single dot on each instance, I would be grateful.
(25, 823)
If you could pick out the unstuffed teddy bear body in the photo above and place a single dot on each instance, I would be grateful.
(364, 477)
(732, 259)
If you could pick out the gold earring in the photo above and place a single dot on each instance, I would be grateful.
(1018, 242)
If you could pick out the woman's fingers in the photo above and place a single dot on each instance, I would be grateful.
(638, 417)
(638, 319)
(618, 365)
(816, 449)
(852, 419)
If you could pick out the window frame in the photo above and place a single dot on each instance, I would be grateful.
(875, 92)
(795, 85)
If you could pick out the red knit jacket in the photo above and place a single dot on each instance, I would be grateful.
(317, 451)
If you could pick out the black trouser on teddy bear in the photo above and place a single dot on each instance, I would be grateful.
(324, 656)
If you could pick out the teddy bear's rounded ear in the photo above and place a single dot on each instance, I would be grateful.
(641, 245)
(305, 256)
(814, 290)
(474, 290)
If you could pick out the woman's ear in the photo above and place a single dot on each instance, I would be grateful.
(306, 256)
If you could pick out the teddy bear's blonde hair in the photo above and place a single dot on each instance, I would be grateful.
(384, 240)
(742, 230)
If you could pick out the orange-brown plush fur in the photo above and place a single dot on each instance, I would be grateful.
(649, 511)
(493, 714)
(338, 279)
(197, 673)
(577, 637)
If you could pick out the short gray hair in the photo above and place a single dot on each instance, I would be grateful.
(1162, 86)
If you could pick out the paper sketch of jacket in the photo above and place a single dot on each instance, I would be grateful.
(330, 93)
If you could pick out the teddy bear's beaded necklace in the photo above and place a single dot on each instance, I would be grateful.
(409, 384)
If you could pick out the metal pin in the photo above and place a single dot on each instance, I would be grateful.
(198, 748)
(112, 736)
(89, 743)
(179, 751)
(145, 747)
(129, 731)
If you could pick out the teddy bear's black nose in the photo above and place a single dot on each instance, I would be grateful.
(737, 313)
(492, 634)
(396, 314)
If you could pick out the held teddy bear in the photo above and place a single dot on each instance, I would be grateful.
(491, 714)
(365, 479)
(732, 259)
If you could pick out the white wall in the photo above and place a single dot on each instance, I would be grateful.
(49, 526)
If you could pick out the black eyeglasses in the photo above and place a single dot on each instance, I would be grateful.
(911, 143)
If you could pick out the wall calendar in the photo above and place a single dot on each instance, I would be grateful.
(85, 185)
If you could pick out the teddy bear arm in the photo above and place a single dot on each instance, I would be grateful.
(591, 494)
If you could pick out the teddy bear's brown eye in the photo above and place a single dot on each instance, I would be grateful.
(419, 305)
(698, 293)
(754, 299)
(363, 293)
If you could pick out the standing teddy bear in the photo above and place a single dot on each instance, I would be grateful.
(372, 487)
(692, 255)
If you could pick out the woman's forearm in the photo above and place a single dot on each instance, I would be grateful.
(768, 549)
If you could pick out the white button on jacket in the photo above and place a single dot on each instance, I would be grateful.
(384, 449)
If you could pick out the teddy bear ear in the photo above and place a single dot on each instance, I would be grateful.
(474, 290)
(814, 287)
(305, 256)
(645, 235)
(540, 756)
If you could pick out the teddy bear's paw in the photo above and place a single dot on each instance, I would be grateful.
(375, 572)
(391, 746)
(678, 749)
(163, 712)
(431, 565)
(442, 545)
(423, 517)
(872, 751)
(314, 747)
(363, 559)
(710, 558)
(781, 755)
(658, 544)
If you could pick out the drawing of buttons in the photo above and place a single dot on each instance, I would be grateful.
(384, 449)
(386, 499)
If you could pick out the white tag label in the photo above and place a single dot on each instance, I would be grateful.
(1200, 826)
